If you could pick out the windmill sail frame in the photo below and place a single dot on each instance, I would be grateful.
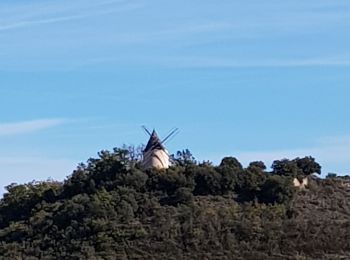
(155, 154)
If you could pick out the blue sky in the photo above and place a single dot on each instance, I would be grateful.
(259, 80)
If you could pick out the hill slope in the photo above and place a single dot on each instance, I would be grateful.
(112, 209)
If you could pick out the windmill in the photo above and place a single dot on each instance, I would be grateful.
(155, 154)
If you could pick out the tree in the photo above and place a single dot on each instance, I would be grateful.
(298, 167)
(257, 166)
(276, 189)
(231, 162)
(208, 181)
(248, 185)
(183, 158)
(308, 165)
(285, 167)
(229, 170)
(135, 153)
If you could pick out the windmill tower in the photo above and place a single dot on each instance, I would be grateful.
(155, 154)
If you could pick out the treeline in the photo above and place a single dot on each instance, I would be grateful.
(110, 208)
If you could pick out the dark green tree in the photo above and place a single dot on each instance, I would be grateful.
(308, 165)
(183, 158)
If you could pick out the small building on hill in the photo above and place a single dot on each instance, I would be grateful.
(301, 183)
(155, 155)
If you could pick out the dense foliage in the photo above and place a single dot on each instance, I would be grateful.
(110, 208)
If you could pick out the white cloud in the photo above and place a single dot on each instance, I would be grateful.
(331, 152)
(25, 169)
(213, 62)
(200, 62)
(41, 18)
(24, 127)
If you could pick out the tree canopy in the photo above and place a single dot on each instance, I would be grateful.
(110, 208)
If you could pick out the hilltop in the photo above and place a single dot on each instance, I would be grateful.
(110, 208)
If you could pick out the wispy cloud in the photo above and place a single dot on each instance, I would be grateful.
(39, 161)
(68, 15)
(26, 23)
(217, 63)
(200, 62)
(24, 127)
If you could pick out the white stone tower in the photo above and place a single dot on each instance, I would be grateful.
(155, 155)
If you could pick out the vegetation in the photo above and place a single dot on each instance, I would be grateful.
(110, 208)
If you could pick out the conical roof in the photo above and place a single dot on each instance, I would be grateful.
(154, 143)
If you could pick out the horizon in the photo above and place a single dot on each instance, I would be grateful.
(256, 81)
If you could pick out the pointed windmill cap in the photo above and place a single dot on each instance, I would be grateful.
(154, 143)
